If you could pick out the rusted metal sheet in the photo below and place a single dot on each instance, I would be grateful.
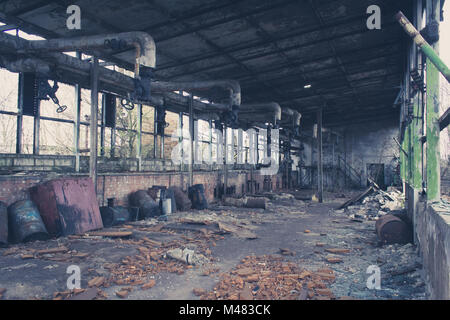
(3, 224)
(25, 222)
(391, 229)
(68, 206)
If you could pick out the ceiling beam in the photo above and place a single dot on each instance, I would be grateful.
(259, 44)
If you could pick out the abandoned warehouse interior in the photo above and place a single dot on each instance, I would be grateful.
(224, 150)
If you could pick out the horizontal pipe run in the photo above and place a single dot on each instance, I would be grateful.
(142, 41)
(253, 109)
(68, 69)
(231, 85)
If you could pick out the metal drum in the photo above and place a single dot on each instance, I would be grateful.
(166, 206)
(197, 195)
(3, 224)
(25, 222)
(391, 229)
(114, 216)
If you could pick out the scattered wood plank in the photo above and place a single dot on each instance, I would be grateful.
(111, 234)
(337, 250)
(53, 250)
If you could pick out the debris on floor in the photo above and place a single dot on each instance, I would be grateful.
(373, 204)
(299, 251)
(271, 278)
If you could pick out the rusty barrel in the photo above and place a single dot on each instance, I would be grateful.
(256, 203)
(25, 222)
(3, 224)
(182, 202)
(197, 196)
(391, 229)
(147, 206)
(114, 216)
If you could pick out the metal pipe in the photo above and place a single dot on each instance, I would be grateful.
(255, 108)
(231, 85)
(67, 69)
(77, 123)
(427, 49)
(191, 140)
(141, 41)
(94, 124)
(320, 156)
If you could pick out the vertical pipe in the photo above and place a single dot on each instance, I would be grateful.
(139, 138)
(102, 127)
(210, 151)
(19, 116)
(36, 128)
(181, 139)
(196, 143)
(240, 147)
(417, 130)
(409, 115)
(433, 129)
(191, 139)
(225, 164)
(94, 123)
(155, 133)
(319, 158)
(162, 143)
(77, 123)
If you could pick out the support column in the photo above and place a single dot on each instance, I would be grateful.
(155, 133)
(94, 123)
(77, 124)
(319, 156)
(102, 128)
(432, 112)
(36, 128)
(181, 140)
(225, 163)
(139, 137)
(210, 149)
(191, 139)
(417, 109)
(19, 117)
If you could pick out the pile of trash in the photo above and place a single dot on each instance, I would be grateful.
(373, 203)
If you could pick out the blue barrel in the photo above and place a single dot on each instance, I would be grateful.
(3, 224)
(25, 222)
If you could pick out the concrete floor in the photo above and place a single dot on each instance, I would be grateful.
(281, 225)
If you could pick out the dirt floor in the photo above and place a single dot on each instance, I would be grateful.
(292, 250)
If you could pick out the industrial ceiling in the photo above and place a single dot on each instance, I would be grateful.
(273, 48)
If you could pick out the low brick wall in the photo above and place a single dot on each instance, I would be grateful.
(433, 234)
(119, 185)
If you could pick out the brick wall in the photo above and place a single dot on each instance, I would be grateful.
(119, 186)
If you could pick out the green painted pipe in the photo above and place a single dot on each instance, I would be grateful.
(423, 45)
